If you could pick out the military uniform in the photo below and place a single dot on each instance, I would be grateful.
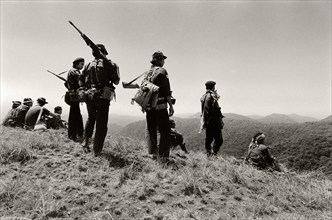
(75, 120)
(212, 120)
(8, 120)
(20, 113)
(259, 156)
(157, 117)
(97, 78)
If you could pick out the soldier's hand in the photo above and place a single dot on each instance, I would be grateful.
(171, 111)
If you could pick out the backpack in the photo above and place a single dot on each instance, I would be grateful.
(147, 94)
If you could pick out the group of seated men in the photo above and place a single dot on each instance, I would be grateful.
(26, 115)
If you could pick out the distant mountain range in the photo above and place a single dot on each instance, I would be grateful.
(303, 142)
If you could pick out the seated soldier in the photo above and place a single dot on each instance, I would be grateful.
(259, 156)
(176, 137)
(55, 122)
(20, 112)
(33, 113)
(8, 120)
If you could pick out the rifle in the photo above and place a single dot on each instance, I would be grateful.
(57, 75)
(60, 77)
(95, 49)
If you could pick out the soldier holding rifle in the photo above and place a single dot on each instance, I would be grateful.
(98, 77)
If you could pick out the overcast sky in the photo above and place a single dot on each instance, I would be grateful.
(266, 57)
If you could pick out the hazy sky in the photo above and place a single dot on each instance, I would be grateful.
(266, 57)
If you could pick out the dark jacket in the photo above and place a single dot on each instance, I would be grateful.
(211, 110)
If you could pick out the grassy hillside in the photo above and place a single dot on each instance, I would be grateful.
(45, 176)
(306, 146)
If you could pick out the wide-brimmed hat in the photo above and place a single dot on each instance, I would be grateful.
(27, 100)
(158, 54)
(42, 100)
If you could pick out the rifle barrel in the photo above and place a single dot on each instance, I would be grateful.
(57, 76)
(75, 27)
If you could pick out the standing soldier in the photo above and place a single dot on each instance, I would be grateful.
(96, 77)
(158, 117)
(75, 120)
(212, 119)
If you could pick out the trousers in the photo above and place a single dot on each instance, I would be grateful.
(158, 120)
(97, 114)
(213, 133)
(75, 121)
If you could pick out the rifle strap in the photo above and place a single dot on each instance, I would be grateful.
(136, 78)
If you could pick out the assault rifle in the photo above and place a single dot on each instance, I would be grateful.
(95, 49)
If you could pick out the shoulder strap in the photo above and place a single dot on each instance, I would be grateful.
(39, 116)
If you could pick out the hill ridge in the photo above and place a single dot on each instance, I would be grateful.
(46, 176)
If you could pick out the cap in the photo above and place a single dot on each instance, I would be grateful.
(78, 59)
(210, 83)
(42, 100)
(27, 100)
(158, 54)
(17, 102)
(102, 48)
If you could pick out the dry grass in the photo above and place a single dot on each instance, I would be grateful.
(45, 176)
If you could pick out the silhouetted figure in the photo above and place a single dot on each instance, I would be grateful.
(211, 119)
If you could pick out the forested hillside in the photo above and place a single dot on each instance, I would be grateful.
(293, 143)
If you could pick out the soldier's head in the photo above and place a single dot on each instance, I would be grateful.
(210, 85)
(78, 63)
(158, 59)
(172, 123)
(102, 49)
(58, 110)
(259, 138)
(28, 101)
(16, 104)
(41, 101)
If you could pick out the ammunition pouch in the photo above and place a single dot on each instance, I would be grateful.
(92, 94)
(75, 96)
(107, 93)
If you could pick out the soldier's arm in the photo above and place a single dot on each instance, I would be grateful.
(208, 108)
(165, 89)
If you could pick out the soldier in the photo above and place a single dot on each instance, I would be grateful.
(21, 111)
(56, 122)
(259, 156)
(97, 79)
(8, 120)
(212, 119)
(158, 117)
(177, 138)
(75, 120)
(32, 114)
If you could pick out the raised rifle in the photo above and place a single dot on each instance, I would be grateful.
(95, 49)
